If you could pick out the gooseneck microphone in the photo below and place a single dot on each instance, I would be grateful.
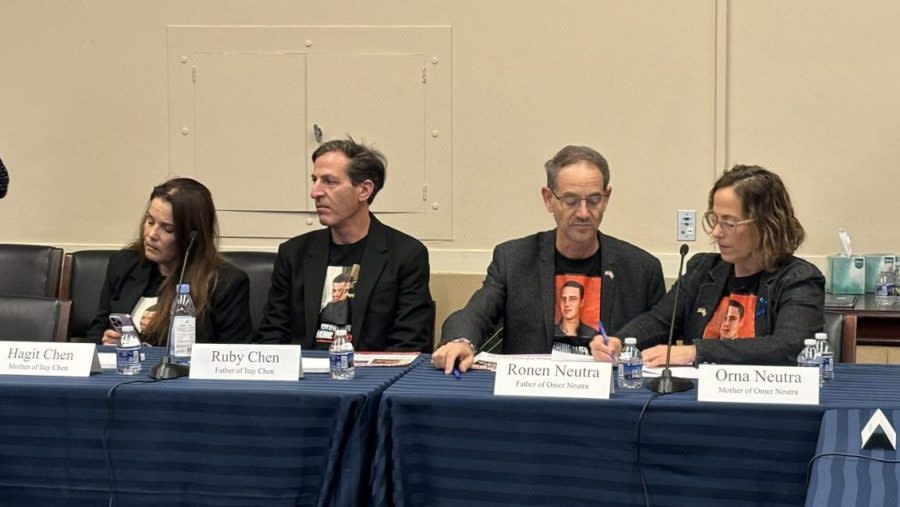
(165, 368)
(666, 383)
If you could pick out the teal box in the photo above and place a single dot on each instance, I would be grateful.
(875, 263)
(846, 275)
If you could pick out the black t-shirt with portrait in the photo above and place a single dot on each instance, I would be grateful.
(336, 307)
(735, 314)
(576, 315)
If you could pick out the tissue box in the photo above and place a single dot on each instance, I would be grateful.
(846, 275)
(874, 264)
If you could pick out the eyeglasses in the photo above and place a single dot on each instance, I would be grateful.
(593, 201)
(710, 221)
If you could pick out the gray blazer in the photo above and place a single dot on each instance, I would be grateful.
(519, 292)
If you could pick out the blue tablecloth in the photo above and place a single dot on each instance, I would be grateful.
(838, 480)
(188, 442)
(450, 442)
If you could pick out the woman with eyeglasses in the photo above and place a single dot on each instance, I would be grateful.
(754, 302)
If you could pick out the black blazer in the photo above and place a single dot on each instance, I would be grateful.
(794, 309)
(391, 308)
(227, 316)
(519, 289)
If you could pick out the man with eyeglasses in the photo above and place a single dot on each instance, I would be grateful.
(526, 275)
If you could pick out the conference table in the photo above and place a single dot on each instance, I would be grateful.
(449, 442)
(86, 441)
(845, 474)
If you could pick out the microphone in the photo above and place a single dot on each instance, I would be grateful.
(165, 368)
(666, 383)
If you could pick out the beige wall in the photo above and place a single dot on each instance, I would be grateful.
(670, 92)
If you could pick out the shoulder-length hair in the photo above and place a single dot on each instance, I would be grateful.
(192, 210)
(767, 202)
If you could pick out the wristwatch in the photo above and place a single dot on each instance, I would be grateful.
(466, 341)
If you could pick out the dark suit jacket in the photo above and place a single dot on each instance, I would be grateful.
(391, 308)
(227, 316)
(790, 307)
(519, 289)
(4, 180)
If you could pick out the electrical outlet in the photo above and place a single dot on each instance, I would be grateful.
(686, 225)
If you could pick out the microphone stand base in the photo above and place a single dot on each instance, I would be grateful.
(166, 369)
(666, 384)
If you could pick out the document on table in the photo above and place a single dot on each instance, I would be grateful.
(367, 359)
(558, 355)
(688, 372)
(315, 364)
(488, 361)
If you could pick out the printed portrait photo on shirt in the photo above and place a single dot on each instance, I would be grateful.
(337, 294)
(734, 318)
(576, 313)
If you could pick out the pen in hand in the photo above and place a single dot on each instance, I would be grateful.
(603, 333)
(605, 339)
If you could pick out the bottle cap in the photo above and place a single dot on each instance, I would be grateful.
(184, 288)
(821, 336)
(630, 341)
(127, 329)
(809, 341)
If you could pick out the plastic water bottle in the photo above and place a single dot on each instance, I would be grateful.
(631, 366)
(184, 326)
(809, 357)
(823, 349)
(128, 352)
(340, 354)
(885, 288)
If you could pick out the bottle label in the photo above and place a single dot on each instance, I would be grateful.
(341, 360)
(632, 371)
(125, 357)
(827, 363)
(183, 335)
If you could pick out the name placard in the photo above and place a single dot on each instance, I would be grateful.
(217, 361)
(50, 359)
(552, 379)
(758, 384)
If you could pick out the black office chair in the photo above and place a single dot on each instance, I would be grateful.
(30, 270)
(83, 275)
(33, 319)
(258, 266)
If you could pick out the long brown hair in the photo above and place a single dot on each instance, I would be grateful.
(767, 202)
(192, 210)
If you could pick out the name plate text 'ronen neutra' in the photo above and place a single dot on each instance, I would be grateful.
(555, 379)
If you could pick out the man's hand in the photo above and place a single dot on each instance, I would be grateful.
(606, 352)
(681, 355)
(450, 353)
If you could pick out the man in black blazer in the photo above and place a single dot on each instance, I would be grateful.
(524, 279)
(388, 271)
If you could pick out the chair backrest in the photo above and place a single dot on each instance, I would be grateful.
(30, 270)
(834, 327)
(33, 319)
(258, 266)
(82, 280)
